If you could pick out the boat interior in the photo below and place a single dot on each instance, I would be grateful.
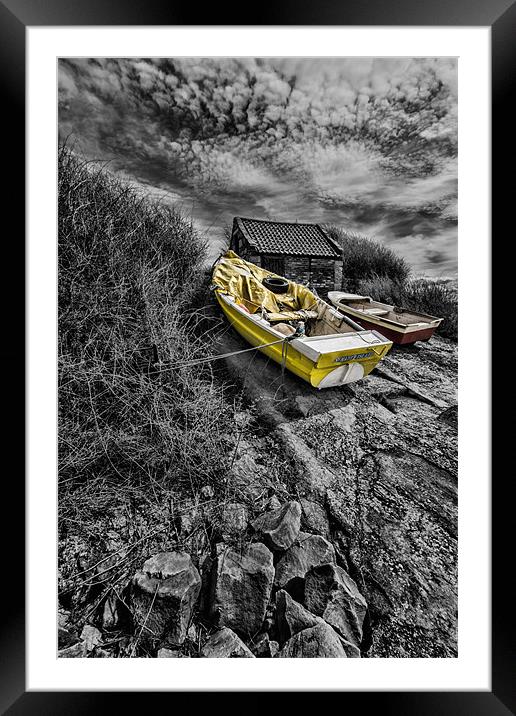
(382, 310)
(322, 320)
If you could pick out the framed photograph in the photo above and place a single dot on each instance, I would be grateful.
(259, 353)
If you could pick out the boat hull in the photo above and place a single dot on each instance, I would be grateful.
(331, 369)
(400, 338)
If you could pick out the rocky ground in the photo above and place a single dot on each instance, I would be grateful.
(336, 535)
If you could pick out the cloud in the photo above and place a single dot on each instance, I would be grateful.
(340, 134)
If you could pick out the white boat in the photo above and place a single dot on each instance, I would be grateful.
(399, 325)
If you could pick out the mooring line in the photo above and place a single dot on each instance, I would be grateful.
(199, 361)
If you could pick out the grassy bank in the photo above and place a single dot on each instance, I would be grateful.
(138, 433)
(365, 259)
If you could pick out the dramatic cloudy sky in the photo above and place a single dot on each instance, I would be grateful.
(369, 144)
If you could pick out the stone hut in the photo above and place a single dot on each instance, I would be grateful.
(300, 252)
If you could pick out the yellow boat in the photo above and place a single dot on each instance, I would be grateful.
(293, 327)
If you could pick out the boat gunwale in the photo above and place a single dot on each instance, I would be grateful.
(405, 327)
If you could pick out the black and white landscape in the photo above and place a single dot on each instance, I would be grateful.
(214, 509)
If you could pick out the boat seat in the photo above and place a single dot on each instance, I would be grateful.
(375, 311)
(285, 329)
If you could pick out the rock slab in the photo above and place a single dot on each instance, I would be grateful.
(170, 584)
(292, 617)
(331, 594)
(169, 654)
(279, 528)
(241, 587)
(314, 518)
(264, 648)
(320, 641)
(225, 644)
(308, 551)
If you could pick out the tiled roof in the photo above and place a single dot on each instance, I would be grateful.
(290, 239)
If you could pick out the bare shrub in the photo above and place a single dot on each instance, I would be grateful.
(366, 259)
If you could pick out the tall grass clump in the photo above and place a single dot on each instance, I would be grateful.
(436, 298)
(366, 259)
(132, 419)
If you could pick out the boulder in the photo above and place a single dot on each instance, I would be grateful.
(292, 617)
(63, 618)
(308, 551)
(388, 481)
(91, 637)
(263, 647)
(352, 651)
(76, 651)
(450, 416)
(170, 583)
(331, 594)
(314, 518)
(225, 644)
(241, 587)
(319, 641)
(65, 638)
(279, 528)
(169, 654)
(194, 633)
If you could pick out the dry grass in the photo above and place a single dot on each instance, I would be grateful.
(138, 437)
(366, 259)
(127, 274)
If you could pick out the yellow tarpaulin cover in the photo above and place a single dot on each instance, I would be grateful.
(243, 281)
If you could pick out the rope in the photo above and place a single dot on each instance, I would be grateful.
(284, 350)
(198, 361)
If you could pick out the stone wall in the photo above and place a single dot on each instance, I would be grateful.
(320, 274)
(338, 276)
(323, 276)
(297, 269)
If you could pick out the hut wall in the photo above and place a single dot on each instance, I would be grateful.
(323, 276)
(297, 268)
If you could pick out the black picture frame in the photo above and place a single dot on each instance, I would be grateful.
(15, 17)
